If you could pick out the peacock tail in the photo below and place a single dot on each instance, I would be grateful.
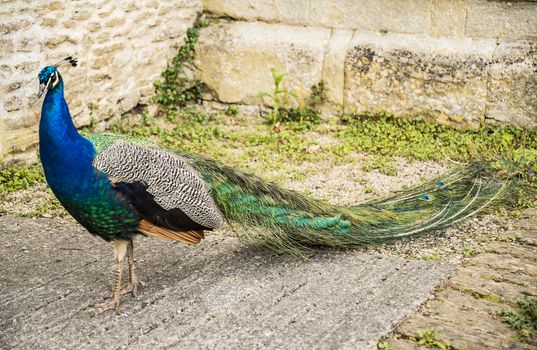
(263, 213)
(290, 222)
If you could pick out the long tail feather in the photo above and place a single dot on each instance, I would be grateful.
(288, 221)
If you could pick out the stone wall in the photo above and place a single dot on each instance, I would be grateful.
(459, 61)
(122, 47)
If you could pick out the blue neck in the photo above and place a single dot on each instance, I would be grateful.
(65, 154)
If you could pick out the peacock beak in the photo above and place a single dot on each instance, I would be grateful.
(42, 90)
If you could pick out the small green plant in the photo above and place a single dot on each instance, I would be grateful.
(232, 111)
(309, 113)
(369, 189)
(383, 164)
(384, 346)
(436, 256)
(509, 238)
(278, 96)
(429, 338)
(174, 91)
(20, 177)
(92, 124)
(469, 251)
(523, 319)
(317, 96)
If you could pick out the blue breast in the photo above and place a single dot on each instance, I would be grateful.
(67, 158)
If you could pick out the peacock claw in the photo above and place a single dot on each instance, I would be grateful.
(109, 304)
(133, 288)
(121, 248)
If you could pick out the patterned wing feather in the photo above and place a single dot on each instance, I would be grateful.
(168, 178)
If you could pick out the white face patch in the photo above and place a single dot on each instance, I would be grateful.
(55, 79)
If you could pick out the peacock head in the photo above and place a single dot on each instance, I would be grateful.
(49, 77)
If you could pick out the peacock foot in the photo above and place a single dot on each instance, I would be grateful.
(110, 304)
(133, 287)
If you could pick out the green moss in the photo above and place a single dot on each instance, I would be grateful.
(46, 208)
(513, 150)
(27, 177)
(492, 297)
(480, 295)
(523, 318)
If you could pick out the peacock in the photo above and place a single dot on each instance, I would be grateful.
(119, 187)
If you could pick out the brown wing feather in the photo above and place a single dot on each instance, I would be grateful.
(188, 237)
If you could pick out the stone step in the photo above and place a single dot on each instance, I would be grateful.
(458, 80)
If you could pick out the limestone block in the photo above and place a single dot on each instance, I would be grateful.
(402, 74)
(400, 16)
(235, 59)
(130, 99)
(512, 83)
(81, 15)
(20, 140)
(6, 46)
(334, 65)
(13, 103)
(448, 18)
(496, 19)
(404, 16)
(247, 10)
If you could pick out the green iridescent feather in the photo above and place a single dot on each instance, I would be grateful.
(288, 221)
(103, 141)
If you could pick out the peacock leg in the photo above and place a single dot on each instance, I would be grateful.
(120, 250)
(134, 281)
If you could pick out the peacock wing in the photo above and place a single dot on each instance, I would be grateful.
(161, 186)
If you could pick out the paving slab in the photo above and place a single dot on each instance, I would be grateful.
(464, 313)
(220, 294)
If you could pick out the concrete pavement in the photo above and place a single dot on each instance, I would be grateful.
(220, 294)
